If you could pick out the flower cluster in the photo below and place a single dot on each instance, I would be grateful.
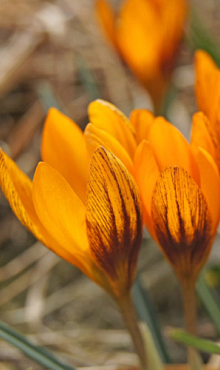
(84, 203)
(179, 182)
(95, 190)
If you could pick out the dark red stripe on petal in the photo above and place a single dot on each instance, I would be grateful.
(114, 221)
(182, 221)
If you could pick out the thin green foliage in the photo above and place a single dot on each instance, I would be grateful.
(168, 100)
(146, 313)
(48, 97)
(88, 80)
(39, 354)
(199, 37)
(203, 345)
(210, 300)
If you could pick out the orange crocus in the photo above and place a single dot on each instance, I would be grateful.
(206, 129)
(84, 205)
(146, 34)
(179, 183)
(98, 230)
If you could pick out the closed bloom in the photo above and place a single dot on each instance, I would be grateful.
(146, 33)
(206, 130)
(91, 218)
(183, 206)
(179, 183)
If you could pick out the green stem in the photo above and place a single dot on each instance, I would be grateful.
(130, 317)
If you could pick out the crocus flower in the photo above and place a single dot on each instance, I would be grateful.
(180, 188)
(206, 130)
(98, 230)
(179, 183)
(146, 34)
(85, 206)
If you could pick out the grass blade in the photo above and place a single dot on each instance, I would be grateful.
(199, 37)
(48, 97)
(87, 78)
(146, 313)
(210, 300)
(203, 345)
(39, 354)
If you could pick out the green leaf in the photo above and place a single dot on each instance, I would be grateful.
(39, 354)
(153, 358)
(210, 300)
(203, 345)
(146, 313)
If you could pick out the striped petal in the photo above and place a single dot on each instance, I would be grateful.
(64, 148)
(183, 223)
(114, 224)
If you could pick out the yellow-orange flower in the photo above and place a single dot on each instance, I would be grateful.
(179, 183)
(206, 129)
(91, 218)
(146, 33)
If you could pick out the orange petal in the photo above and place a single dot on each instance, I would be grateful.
(96, 137)
(210, 184)
(114, 223)
(17, 188)
(136, 36)
(204, 136)
(202, 133)
(174, 15)
(108, 118)
(141, 119)
(146, 174)
(182, 221)
(207, 85)
(106, 17)
(64, 148)
(170, 148)
(62, 214)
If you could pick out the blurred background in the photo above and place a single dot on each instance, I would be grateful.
(53, 53)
